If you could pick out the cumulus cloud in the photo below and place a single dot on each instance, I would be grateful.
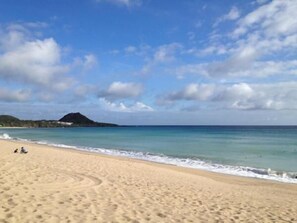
(121, 107)
(120, 90)
(24, 59)
(127, 3)
(123, 91)
(276, 96)
(36, 63)
(240, 96)
(236, 91)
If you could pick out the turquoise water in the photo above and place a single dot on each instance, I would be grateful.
(263, 152)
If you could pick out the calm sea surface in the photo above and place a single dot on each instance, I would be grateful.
(263, 152)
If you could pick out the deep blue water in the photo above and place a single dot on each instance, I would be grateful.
(257, 151)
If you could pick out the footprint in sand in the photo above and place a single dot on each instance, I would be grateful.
(64, 180)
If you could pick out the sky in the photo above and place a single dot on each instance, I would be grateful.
(150, 62)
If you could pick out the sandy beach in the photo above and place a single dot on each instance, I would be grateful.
(58, 185)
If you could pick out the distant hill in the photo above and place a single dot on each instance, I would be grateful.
(78, 119)
(69, 120)
(8, 120)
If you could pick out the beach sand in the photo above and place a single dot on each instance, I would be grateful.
(60, 185)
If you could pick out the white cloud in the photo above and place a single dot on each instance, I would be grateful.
(166, 53)
(120, 90)
(36, 62)
(7, 95)
(241, 91)
(121, 107)
(152, 56)
(30, 62)
(243, 63)
(276, 96)
(139, 106)
(90, 61)
(199, 92)
(127, 3)
(268, 68)
(233, 14)
(85, 63)
(84, 90)
(11, 38)
(36, 25)
(256, 47)
(240, 96)
(274, 19)
(24, 59)
(214, 49)
(142, 50)
(239, 61)
(130, 49)
(162, 55)
(195, 69)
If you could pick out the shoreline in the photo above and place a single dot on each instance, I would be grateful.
(194, 171)
(66, 185)
(240, 171)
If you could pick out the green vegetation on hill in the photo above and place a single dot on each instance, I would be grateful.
(69, 120)
(8, 120)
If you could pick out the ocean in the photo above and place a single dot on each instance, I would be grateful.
(267, 152)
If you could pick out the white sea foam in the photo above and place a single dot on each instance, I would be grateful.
(184, 162)
(194, 164)
(202, 165)
(5, 136)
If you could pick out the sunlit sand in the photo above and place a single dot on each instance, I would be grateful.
(57, 185)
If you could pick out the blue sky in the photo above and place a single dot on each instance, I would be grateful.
(149, 61)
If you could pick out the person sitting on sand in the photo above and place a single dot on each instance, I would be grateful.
(23, 150)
